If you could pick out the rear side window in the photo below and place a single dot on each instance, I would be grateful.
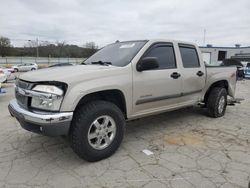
(164, 54)
(189, 57)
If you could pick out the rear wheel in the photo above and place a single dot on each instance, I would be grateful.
(16, 70)
(217, 102)
(33, 69)
(97, 130)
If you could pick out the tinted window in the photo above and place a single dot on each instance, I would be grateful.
(165, 56)
(189, 57)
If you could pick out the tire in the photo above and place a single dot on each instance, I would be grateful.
(83, 123)
(33, 69)
(215, 105)
(16, 70)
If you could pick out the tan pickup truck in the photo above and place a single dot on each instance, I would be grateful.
(122, 81)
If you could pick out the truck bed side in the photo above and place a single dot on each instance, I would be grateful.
(217, 73)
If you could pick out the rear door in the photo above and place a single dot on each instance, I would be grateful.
(193, 73)
(157, 89)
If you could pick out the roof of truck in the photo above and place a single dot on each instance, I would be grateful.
(162, 40)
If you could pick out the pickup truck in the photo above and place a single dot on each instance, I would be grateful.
(122, 81)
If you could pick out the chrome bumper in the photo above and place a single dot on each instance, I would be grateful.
(47, 123)
(46, 118)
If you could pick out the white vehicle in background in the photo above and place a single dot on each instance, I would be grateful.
(9, 72)
(3, 76)
(25, 67)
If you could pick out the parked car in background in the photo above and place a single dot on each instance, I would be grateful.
(247, 70)
(9, 72)
(25, 67)
(235, 63)
(61, 65)
(3, 76)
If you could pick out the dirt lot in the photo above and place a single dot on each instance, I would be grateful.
(190, 150)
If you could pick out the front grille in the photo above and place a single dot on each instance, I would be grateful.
(21, 99)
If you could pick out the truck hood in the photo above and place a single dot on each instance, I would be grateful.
(68, 74)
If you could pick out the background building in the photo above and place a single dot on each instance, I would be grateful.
(214, 55)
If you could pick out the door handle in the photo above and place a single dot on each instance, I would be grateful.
(175, 75)
(199, 73)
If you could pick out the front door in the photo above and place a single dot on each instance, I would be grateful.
(157, 89)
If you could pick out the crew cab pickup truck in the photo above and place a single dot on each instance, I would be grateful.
(122, 81)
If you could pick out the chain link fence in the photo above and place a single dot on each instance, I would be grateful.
(9, 61)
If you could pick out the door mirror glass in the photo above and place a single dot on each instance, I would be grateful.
(147, 63)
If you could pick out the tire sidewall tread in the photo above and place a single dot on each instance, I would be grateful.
(213, 101)
(83, 118)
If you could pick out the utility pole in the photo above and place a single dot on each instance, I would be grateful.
(37, 44)
(204, 37)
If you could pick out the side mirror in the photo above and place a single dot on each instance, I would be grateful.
(147, 63)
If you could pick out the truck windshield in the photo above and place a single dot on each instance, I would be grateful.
(116, 54)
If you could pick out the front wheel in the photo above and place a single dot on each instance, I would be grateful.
(97, 130)
(217, 102)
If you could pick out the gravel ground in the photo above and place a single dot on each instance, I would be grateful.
(190, 150)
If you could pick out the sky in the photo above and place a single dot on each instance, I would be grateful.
(227, 22)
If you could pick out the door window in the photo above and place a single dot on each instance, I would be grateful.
(164, 54)
(189, 57)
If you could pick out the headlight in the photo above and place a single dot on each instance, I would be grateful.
(47, 102)
(48, 89)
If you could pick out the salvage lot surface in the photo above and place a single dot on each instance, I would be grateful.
(190, 150)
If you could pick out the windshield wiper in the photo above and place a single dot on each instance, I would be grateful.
(101, 63)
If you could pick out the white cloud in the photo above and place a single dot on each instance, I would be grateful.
(78, 21)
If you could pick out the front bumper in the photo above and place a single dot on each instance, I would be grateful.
(50, 123)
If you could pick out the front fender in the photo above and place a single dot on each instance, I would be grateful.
(77, 91)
